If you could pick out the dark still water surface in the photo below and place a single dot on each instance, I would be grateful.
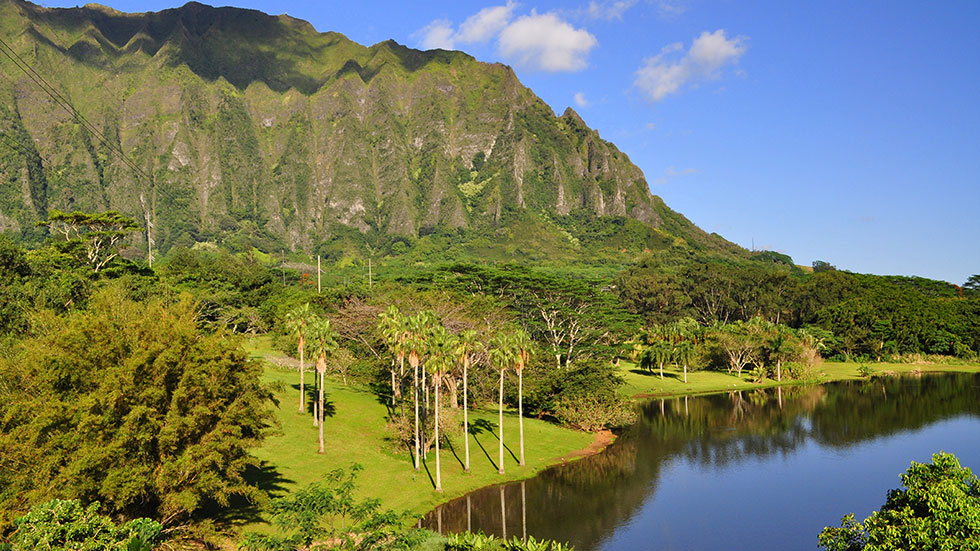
(765, 469)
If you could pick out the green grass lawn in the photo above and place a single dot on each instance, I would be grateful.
(355, 431)
(641, 383)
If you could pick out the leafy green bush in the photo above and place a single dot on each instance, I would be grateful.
(938, 509)
(595, 412)
(866, 371)
(65, 525)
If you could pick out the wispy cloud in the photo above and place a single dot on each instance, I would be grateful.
(543, 42)
(670, 8)
(580, 100)
(670, 173)
(485, 24)
(666, 73)
(607, 10)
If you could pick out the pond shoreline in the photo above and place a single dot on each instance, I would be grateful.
(712, 382)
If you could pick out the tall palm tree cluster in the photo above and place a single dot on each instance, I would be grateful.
(437, 360)
(440, 359)
(315, 335)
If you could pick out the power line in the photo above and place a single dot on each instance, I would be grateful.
(56, 96)
(59, 99)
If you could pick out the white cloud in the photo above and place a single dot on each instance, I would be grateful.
(651, 126)
(485, 24)
(609, 10)
(547, 43)
(670, 173)
(672, 8)
(580, 100)
(660, 77)
(438, 34)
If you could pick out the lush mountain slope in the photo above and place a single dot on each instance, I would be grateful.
(244, 124)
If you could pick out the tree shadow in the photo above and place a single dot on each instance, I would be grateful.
(426, 466)
(383, 395)
(478, 427)
(482, 425)
(329, 409)
(453, 449)
(240, 510)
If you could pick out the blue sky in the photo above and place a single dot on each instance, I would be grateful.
(839, 131)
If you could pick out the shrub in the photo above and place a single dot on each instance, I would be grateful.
(595, 412)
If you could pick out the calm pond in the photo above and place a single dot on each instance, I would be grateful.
(764, 469)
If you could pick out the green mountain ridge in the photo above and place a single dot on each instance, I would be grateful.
(246, 124)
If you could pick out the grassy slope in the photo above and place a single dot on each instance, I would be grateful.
(356, 433)
(640, 383)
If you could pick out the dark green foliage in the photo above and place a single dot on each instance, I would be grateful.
(466, 541)
(60, 525)
(130, 405)
(326, 515)
(938, 508)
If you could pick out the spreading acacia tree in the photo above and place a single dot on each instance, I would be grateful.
(92, 238)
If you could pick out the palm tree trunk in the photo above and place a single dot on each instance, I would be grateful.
(503, 514)
(466, 419)
(500, 425)
(435, 382)
(685, 372)
(661, 370)
(302, 392)
(320, 412)
(779, 370)
(393, 388)
(520, 409)
(415, 391)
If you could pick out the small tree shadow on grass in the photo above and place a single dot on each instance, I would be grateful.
(480, 426)
(240, 510)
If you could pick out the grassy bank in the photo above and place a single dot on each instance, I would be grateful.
(641, 383)
(354, 431)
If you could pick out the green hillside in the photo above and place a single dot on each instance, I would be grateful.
(245, 130)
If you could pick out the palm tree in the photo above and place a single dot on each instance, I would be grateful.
(323, 341)
(522, 343)
(391, 325)
(296, 321)
(440, 359)
(466, 345)
(415, 341)
(684, 352)
(502, 354)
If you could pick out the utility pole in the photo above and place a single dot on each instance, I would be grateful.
(149, 231)
(318, 274)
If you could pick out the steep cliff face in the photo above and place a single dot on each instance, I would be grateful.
(240, 121)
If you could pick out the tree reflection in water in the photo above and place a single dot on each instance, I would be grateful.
(585, 501)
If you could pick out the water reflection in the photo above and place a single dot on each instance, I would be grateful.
(589, 501)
